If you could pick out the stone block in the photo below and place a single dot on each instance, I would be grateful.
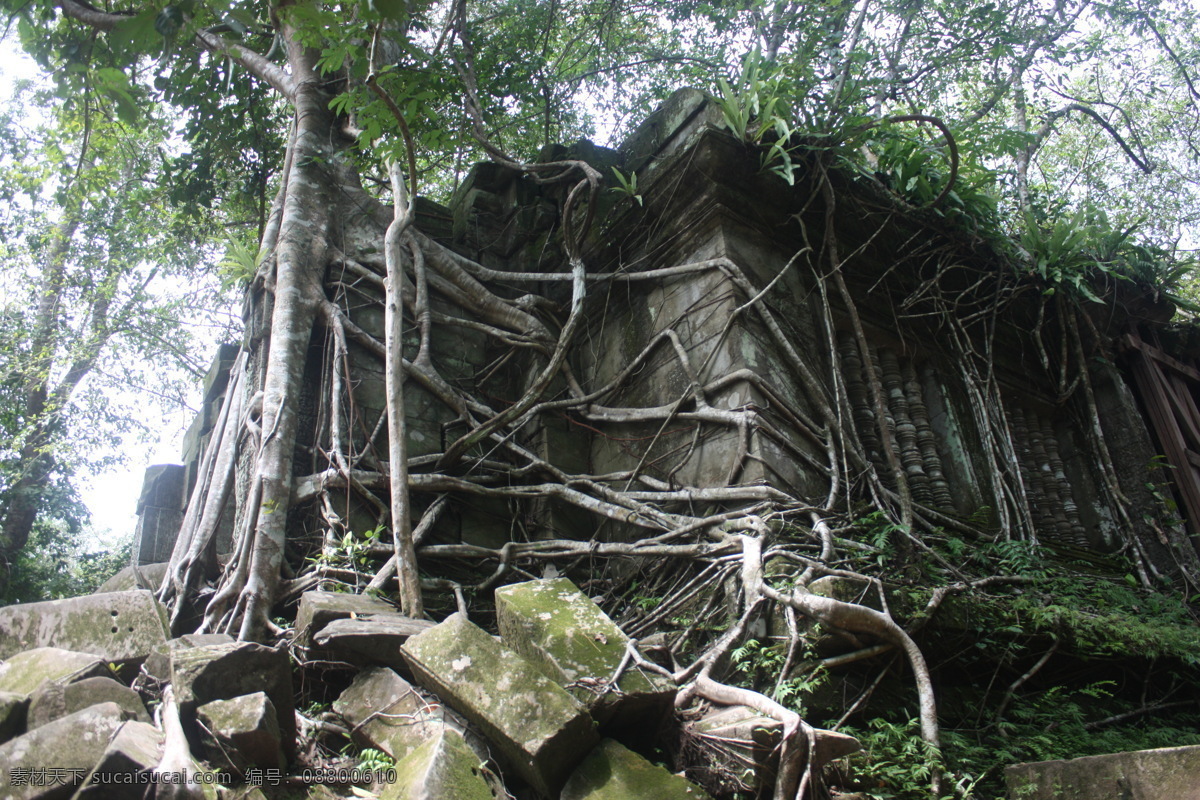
(160, 513)
(140, 576)
(25, 672)
(55, 700)
(374, 639)
(318, 609)
(13, 707)
(613, 772)
(72, 745)
(158, 663)
(537, 727)
(135, 749)
(443, 768)
(1169, 773)
(121, 627)
(559, 628)
(385, 712)
(211, 672)
(217, 377)
(240, 733)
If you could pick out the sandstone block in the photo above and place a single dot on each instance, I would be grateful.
(318, 609)
(158, 663)
(375, 639)
(224, 671)
(386, 713)
(25, 672)
(71, 746)
(54, 700)
(121, 627)
(559, 628)
(538, 728)
(1169, 773)
(613, 772)
(135, 749)
(240, 733)
(443, 768)
(145, 576)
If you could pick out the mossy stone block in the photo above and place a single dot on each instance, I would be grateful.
(121, 627)
(241, 732)
(25, 672)
(443, 768)
(613, 772)
(539, 729)
(578, 646)
(55, 699)
(74, 743)
(318, 609)
(385, 712)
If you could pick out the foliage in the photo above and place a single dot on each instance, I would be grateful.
(59, 562)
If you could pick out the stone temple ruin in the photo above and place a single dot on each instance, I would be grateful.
(1014, 450)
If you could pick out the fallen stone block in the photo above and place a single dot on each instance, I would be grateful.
(240, 733)
(54, 700)
(577, 645)
(145, 576)
(158, 663)
(211, 672)
(1169, 773)
(538, 728)
(13, 708)
(373, 639)
(613, 772)
(385, 712)
(120, 627)
(318, 609)
(444, 768)
(122, 771)
(50, 762)
(25, 672)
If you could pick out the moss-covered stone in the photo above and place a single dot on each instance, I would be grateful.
(318, 609)
(443, 768)
(385, 712)
(539, 729)
(72, 744)
(25, 672)
(120, 627)
(559, 628)
(240, 733)
(223, 671)
(135, 749)
(613, 772)
(54, 700)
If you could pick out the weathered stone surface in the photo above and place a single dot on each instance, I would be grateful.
(318, 609)
(160, 513)
(72, 745)
(136, 748)
(116, 626)
(1170, 773)
(539, 729)
(25, 672)
(559, 628)
(241, 732)
(158, 663)
(55, 699)
(12, 714)
(386, 713)
(733, 749)
(376, 638)
(223, 671)
(613, 772)
(144, 576)
(443, 768)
